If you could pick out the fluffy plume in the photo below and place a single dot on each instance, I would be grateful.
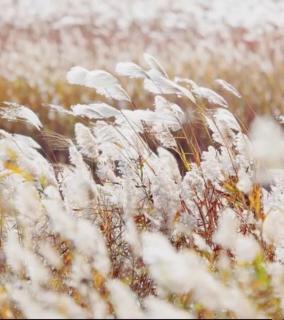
(77, 75)
(209, 96)
(228, 87)
(95, 111)
(104, 83)
(130, 69)
(16, 112)
(154, 64)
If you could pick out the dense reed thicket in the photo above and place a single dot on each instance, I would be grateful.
(141, 222)
(145, 189)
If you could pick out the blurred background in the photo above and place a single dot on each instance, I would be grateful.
(241, 42)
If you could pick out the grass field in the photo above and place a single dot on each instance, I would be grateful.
(141, 159)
